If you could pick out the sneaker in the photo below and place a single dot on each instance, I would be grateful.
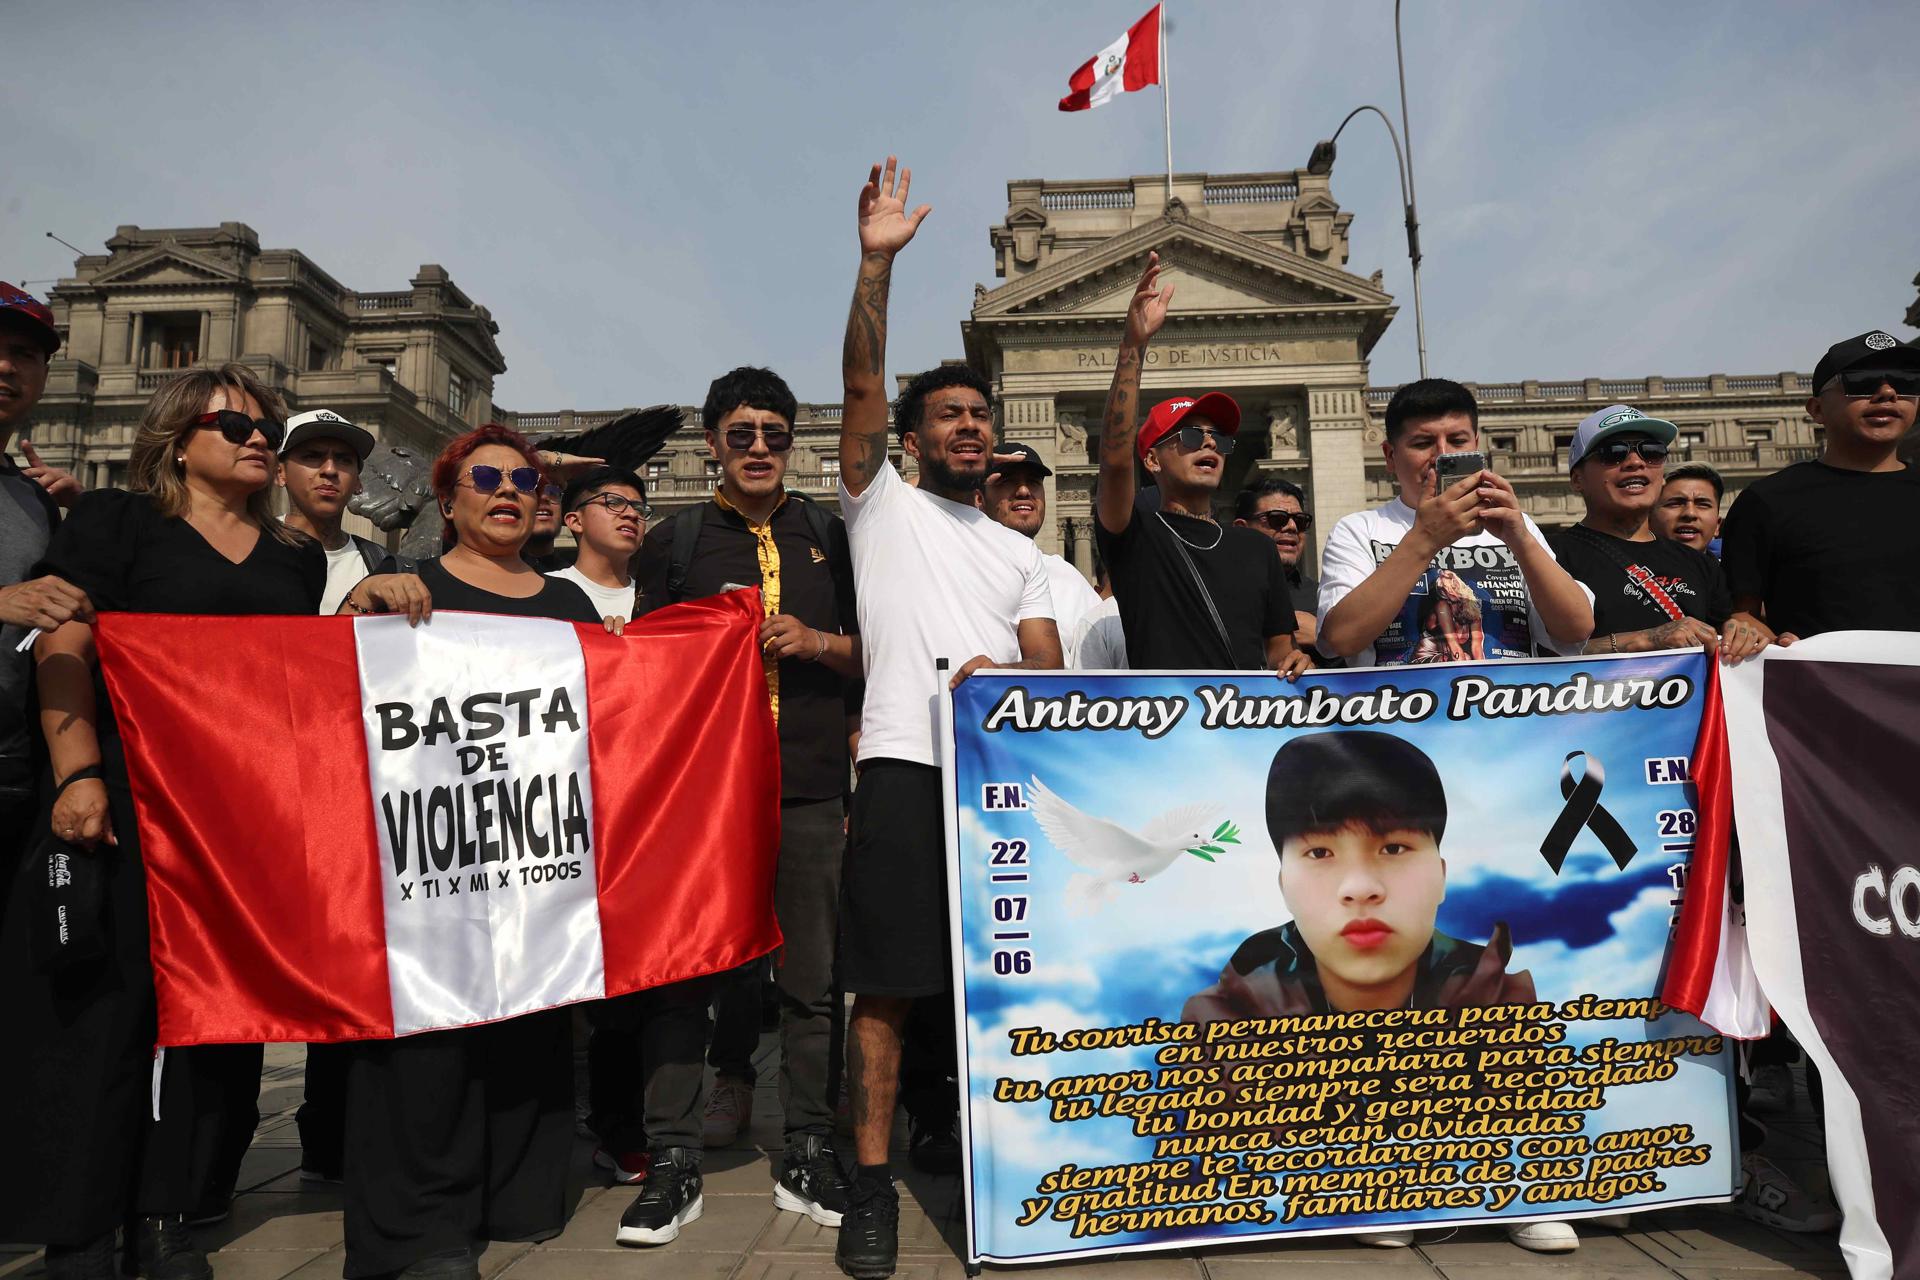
(1617, 1221)
(811, 1181)
(1384, 1239)
(870, 1232)
(1770, 1196)
(729, 1111)
(1772, 1090)
(932, 1149)
(455, 1264)
(320, 1174)
(629, 1168)
(671, 1200)
(93, 1261)
(1544, 1237)
(166, 1250)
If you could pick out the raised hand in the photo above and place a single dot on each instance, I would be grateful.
(1148, 310)
(62, 486)
(885, 224)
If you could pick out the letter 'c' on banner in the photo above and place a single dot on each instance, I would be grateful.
(1583, 809)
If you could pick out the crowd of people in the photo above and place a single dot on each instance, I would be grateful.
(447, 1139)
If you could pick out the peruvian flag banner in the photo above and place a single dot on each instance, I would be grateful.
(357, 829)
(1129, 63)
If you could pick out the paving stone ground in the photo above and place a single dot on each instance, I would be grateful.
(281, 1227)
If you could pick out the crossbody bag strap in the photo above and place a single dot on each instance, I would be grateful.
(1206, 596)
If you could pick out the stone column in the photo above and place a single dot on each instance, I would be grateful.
(116, 344)
(1082, 530)
(1337, 424)
(136, 354)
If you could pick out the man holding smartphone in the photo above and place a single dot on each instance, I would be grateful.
(1450, 569)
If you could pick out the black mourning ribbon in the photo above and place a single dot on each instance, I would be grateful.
(1583, 809)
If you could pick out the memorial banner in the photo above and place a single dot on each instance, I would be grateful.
(1826, 739)
(357, 829)
(1237, 959)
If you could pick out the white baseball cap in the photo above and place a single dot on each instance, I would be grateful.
(325, 424)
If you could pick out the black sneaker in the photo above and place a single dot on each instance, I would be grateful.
(455, 1264)
(166, 1250)
(671, 1200)
(810, 1180)
(93, 1261)
(870, 1231)
(934, 1149)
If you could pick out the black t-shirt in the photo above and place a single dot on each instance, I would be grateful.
(814, 699)
(128, 557)
(1629, 580)
(1828, 549)
(557, 599)
(1162, 611)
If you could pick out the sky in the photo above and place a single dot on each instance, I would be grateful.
(647, 194)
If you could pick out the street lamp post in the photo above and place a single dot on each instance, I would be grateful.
(1321, 163)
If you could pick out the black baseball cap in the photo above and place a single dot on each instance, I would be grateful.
(1029, 457)
(1875, 350)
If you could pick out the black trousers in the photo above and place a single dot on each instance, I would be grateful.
(647, 1060)
(322, 1117)
(209, 1108)
(806, 897)
(455, 1137)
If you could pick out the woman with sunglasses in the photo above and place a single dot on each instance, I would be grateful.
(196, 536)
(460, 1136)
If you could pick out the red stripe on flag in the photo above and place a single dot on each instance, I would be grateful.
(248, 762)
(1143, 53)
(686, 856)
(1696, 941)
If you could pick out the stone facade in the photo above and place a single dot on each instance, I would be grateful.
(414, 365)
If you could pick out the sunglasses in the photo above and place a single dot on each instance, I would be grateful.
(1614, 452)
(1863, 384)
(552, 492)
(237, 428)
(487, 479)
(1278, 520)
(778, 439)
(1192, 438)
(615, 503)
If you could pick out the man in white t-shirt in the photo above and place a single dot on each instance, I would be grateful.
(606, 510)
(1439, 575)
(1016, 496)
(935, 579)
(1454, 574)
(320, 463)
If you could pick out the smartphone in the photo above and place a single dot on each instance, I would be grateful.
(1451, 468)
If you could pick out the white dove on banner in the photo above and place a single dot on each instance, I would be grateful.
(1110, 855)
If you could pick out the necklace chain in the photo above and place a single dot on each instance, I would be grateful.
(1219, 532)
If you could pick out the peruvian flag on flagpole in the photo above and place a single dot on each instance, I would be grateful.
(356, 829)
(1129, 63)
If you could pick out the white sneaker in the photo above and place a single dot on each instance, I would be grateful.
(1384, 1239)
(1544, 1237)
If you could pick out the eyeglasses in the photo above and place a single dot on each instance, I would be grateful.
(778, 439)
(1278, 520)
(487, 479)
(237, 428)
(1614, 452)
(1191, 438)
(1864, 384)
(615, 503)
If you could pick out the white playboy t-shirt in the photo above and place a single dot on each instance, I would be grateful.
(935, 579)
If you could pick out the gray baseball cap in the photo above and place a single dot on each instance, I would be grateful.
(1616, 420)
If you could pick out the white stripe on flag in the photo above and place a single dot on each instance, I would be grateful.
(477, 737)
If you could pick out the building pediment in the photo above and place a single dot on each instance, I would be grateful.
(165, 264)
(1212, 268)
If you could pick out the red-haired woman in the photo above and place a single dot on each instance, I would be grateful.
(457, 1137)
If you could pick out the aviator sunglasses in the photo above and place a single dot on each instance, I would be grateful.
(1191, 438)
(1614, 452)
(1864, 384)
(1278, 520)
(237, 428)
(487, 479)
(778, 439)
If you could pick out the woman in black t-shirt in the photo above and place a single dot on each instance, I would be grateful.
(458, 1136)
(196, 536)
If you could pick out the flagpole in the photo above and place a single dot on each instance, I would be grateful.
(1166, 98)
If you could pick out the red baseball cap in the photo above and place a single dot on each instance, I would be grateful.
(1217, 406)
(34, 314)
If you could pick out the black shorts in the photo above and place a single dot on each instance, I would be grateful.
(893, 889)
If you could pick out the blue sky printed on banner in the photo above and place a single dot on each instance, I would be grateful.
(1594, 929)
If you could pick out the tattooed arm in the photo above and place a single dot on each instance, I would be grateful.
(885, 229)
(1145, 314)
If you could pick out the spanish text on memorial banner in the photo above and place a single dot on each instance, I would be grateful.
(1242, 959)
(356, 829)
